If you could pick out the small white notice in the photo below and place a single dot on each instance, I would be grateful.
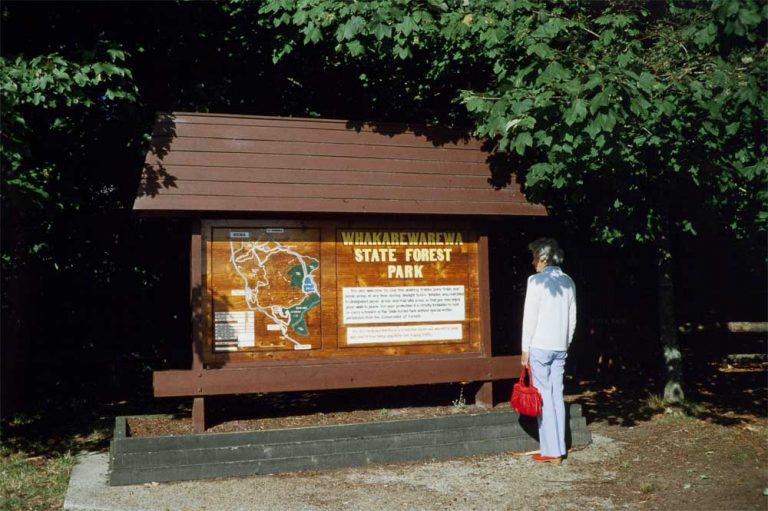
(405, 334)
(234, 330)
(413, 304)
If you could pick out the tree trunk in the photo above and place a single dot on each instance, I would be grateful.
(670, 345)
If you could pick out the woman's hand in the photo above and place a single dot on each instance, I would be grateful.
(524, 359)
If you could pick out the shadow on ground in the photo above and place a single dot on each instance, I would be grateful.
(716, 390)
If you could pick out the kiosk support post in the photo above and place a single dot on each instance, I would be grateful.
(196, 304)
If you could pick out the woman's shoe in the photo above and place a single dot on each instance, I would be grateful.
(546, 459)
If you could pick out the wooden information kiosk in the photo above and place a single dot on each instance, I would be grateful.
(326, 255)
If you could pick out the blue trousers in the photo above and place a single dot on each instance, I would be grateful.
(547, 368)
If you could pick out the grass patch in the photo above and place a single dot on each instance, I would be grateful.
(33, 483)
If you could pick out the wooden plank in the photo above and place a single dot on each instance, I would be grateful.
(198, 414)
(485, 294)
(313, 134)
(305, 377)
(341, 191)
(165, 201)
(484, 395)
(258, 147)
(245, 163)
(400, 223)
(298, 162)
(319, 176)
(748, 326)
(196, 268)
(380, 128)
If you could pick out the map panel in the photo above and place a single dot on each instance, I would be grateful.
(265, 289)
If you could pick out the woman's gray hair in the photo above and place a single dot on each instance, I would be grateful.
(547, 250)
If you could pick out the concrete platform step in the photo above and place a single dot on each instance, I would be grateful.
(142, 460)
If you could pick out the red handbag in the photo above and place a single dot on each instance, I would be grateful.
(525, 399)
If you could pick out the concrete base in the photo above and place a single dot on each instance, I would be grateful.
(202, 456)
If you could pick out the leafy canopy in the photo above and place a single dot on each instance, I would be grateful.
(630, 117)
(60, 94)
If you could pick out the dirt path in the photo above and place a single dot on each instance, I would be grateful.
(669, 462)
(662, 461)
(676, 462)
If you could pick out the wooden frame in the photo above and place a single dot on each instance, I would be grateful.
(211, 375)
(337, 273)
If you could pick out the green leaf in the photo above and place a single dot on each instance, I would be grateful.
(403, 52)
(607, 121)
(749, 17)
(543, 138)
(80, 79)
(594, 80)
(553, 72)
(475, 104)
(639, 106)
(116, 54)
(576, 113)
(355, 48)
(549, 29)
(541, 50)
(407, 26)
(537, 172)
(543, 99)
(687, 227)
(438, 5)
(706, 35)
(625, 59)
(646, 81)
(600, 100)
(313, 35)
(352, 27)
(522, 141)
(593, 129)
(382, 31)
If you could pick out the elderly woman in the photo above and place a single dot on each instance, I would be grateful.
(549, 320)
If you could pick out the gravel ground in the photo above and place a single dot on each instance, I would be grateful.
(496, 482)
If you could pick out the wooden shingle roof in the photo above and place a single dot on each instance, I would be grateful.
(211, 162)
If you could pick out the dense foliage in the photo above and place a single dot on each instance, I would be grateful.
(610, 108)
(634, 122)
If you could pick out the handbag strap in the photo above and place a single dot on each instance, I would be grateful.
(523, 372)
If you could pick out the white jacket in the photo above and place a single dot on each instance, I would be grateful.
(549, 316)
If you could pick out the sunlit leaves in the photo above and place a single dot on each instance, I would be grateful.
(576, 113)
(59, 91)
(633, 95)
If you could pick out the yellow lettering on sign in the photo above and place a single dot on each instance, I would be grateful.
(401, 238)
(375, 255)
(428, 254)
(405, 271)
(347, 237)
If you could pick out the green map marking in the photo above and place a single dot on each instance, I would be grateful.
(299, 312)
(297, 272)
